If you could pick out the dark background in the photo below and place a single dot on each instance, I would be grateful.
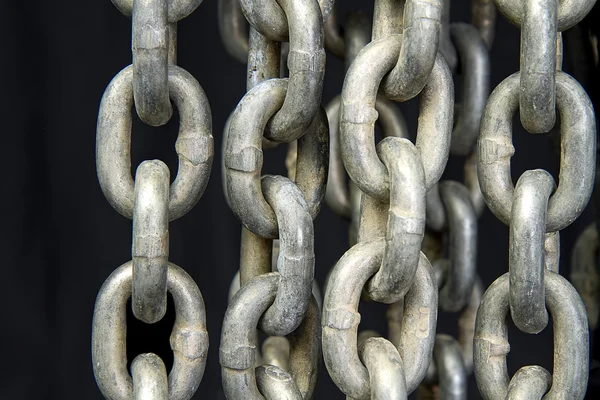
(60, 239)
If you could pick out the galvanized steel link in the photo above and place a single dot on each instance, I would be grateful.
(526, 251)
(578, 156)
(150, 246)
(340, 320)
(194, 144)
(189, 338)
(358, 117)
(178, 9)
(571, 346)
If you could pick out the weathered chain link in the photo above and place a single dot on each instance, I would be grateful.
(275, 110)
(150, 84)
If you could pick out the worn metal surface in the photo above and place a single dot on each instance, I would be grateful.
(571, 347)
(189, 338)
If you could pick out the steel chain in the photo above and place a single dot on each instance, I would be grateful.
(536, 209)
(149, 85)
(413, 238)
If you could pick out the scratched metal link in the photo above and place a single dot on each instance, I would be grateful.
(577, 161)
(571, 346)
(189, 338)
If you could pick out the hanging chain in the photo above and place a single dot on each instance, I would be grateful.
(413, 238)
(536, 209)
(150, 84)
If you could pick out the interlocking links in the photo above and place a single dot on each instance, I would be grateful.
(340, 320)
(358, 116)
(178, 9)
(384, 365)
(538, 65)
(461, 268)
(526, 250)
(571, 347)
(474, 61)
(189, 338)
(275, 20)
(306, 63)
(150, 47)
(149, 378)
(233, 29)
(238, 341)
(243, 158)
(392, 123)
(296, 261)
(194, 144)
(569, 12)
(150, 248)
(530, 382)
(578, 151)
(405, 225)
(483, 17)
(419, 23)
(584, 272)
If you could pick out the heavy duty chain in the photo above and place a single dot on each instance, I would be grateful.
(413, 237)
(151, 201)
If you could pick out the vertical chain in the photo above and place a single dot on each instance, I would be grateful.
(149, 85)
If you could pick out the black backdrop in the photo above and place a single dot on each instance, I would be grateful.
(60, 238)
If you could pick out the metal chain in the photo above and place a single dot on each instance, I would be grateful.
(536, 209)
(413, 238)
(150, 84)
(282, 303)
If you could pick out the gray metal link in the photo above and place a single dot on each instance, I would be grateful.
(570, 12)
(358, 117)
(150, 247)
(450, 367)
(237, 352)
(462, 266)
(474, 61)
(276, 352)
(306, 63)
(578, 143)
(418, 52)
(340, 320)
(405, 224)
(526, 251)
(334, 38)
(483, 17)
(194, 144)
(189, 338)
(150, 47)
(178, 9)
(571, 346)
(530, 382)
(270, 17)
(296, 261)
(233, 29)
(584, 272)
(243, 158)
(537, 97)
(149, 378)
(384, 365)
(276, 384)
